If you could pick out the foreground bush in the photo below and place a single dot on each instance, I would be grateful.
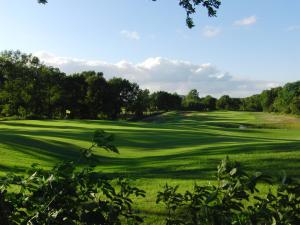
(71, 195)
(234, 200)
(67, 195)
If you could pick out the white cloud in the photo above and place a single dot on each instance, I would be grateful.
(182, 34)
(293, 28)
(210, 31)
(246, 21)
(133, 35)
(165, 74)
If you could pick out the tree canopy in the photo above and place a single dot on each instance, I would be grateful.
(190, 6)
(30, 89)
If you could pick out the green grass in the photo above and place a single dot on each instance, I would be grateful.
(178, 148)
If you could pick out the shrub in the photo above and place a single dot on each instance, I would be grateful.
(234, 200)
(68, 195)
(71, 195)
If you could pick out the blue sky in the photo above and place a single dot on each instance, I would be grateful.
(250, 40)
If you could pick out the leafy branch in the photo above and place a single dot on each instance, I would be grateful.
(190, 8)
(69, 195)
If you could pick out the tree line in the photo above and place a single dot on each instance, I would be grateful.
(30, 89)
(284, 99)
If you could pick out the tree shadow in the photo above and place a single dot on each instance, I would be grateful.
(46, 150)
(202, 163)
(187, 147)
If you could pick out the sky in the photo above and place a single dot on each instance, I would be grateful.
(250, 46)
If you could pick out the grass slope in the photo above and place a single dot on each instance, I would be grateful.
(176, 148)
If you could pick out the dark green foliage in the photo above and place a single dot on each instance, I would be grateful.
(252, 103)
(224, 103)
(286, 98)
(75, 94)
(29, 89)
(295, 105)
(267, 99)
(68, 195)
(122, 95)
(281, 99)
(192, 101)
(190, 8)
(96, 92)
(234, 200)
(164, 101)
(209, 102)
(104, 140)
(141, 103)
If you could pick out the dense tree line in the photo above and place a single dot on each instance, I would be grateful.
(30, 89)
(192, 101)
(284, 99)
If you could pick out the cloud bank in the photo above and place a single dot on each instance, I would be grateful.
(210, 31)
(165, 74)
(246, 21)
(133, 35)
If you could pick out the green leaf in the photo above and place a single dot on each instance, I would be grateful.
(233, 171)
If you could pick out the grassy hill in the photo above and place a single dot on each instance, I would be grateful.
(176, 147)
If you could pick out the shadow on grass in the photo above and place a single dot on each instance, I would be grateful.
(12, 169)
(202, 163)
(200, 149)
(145, 140)
(38, 148)
(31, 125)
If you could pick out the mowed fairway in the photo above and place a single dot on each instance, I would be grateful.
(177, 147)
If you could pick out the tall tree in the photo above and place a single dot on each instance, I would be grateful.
(286, 96)
(209, 103)
(122, 94)
(295, 105)
(267, 98)
(74, 92)
(192, 101)
(141, 103)
(164, 101)
(252, 103)
(224, 102)
(96, 95)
